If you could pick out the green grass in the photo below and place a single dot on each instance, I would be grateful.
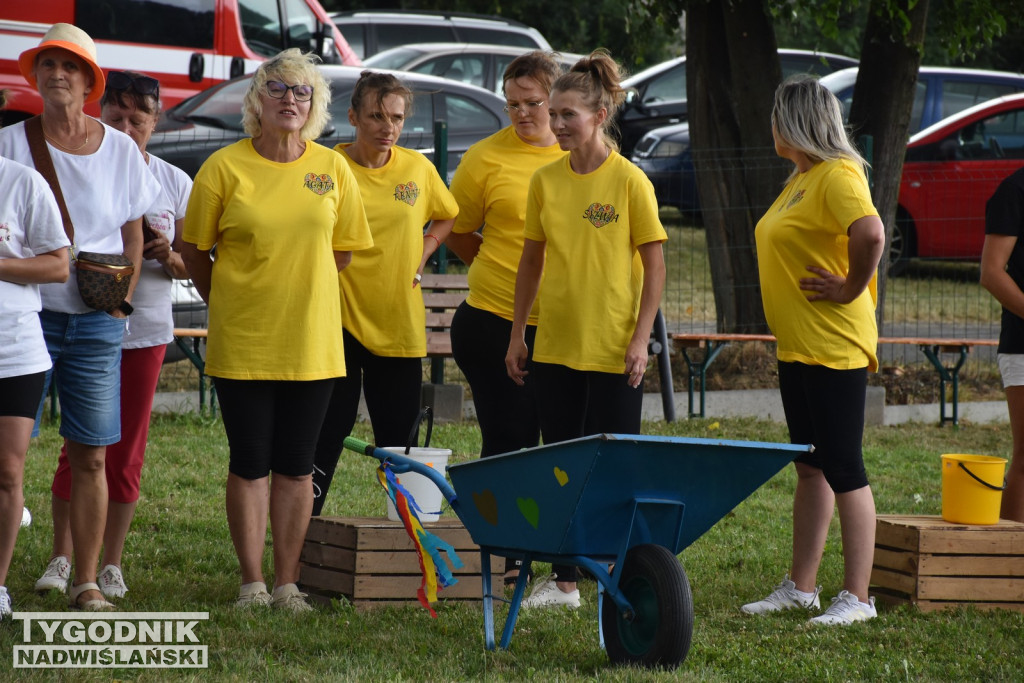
(179, 557)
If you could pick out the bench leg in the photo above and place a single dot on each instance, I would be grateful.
(700, 369)
(668, 393)
(194, 355)
(950, 375)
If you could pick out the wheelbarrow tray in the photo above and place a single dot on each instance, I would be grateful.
(585, 496)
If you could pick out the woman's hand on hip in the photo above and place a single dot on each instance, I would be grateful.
(827, 286)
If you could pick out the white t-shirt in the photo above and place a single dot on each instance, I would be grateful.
(29, 225)
(103, 191)
(151, 323)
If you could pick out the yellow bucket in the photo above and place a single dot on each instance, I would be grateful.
(972, 488)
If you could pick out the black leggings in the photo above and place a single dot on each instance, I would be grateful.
(507, 413)
(272, 424)
(825, 407)
(576, 403)
(392, 389)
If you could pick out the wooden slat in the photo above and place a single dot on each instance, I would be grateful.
(698, 339)
(377, 562)
(443, 299)
(372, 533)
(970, 588)
(931, 534)
(189, 332)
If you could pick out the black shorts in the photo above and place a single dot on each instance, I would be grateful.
(825, 407)
(272, 426)
(20, 396)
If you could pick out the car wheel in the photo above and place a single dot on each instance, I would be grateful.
(902, 246)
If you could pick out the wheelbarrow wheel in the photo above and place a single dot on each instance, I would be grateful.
(660, 630)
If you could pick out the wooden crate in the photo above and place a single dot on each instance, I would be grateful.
(372, 561)
(924, 560)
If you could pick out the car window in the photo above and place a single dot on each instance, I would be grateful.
(467, 68)
(469, 34)
(1005, 135)
(464, 114)
(302, 24)
(916, 110)
(959, 95)
(142, 21)
(355, 36)
(667, 87)
(395, 58)
(393, 35)
(501, 63)
(223, 105)
(261, 26)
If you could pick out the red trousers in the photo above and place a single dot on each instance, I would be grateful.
(140, 371)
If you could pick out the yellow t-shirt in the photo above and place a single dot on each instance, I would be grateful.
(490, 185)
(275, 311)
(806, 226)
(592, 225)
(379, 305)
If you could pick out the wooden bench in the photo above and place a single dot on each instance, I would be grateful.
(443, 293)
(934, 349)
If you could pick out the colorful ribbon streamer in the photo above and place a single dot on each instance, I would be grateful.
(436, 574)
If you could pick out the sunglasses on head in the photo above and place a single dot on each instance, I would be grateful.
(144, 85)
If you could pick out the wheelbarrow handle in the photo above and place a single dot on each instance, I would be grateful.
(401, 463)
(354, 444)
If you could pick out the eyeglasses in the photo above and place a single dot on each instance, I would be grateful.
(524, 108)
(302, 92)
(144, 85)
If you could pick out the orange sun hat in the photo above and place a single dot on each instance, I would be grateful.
(74, 40)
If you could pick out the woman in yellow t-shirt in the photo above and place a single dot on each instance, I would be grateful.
(818, 248)
(383, 318)
(490, 186)
(285, 215)
(593, 232)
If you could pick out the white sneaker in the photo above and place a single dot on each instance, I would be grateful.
(253, 595)
(26, 517)
(546, 593)
(289, 597)
(846, 609)
(785, 596)
(111, 582)
(56, 576)
(5, 603)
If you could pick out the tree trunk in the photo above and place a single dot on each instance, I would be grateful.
(882, 102)
(732, 72)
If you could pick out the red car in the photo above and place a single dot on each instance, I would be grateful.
(950, 171)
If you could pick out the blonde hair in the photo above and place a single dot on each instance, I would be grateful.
(294, 67)
(808, 118)
(597, 77)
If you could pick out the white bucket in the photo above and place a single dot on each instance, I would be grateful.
(424, 492)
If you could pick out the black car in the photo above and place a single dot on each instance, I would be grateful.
(657, 95)
(194, 129)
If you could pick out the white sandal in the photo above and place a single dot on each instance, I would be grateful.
(101, 605)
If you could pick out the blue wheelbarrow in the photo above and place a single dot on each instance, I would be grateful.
(628, 502)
